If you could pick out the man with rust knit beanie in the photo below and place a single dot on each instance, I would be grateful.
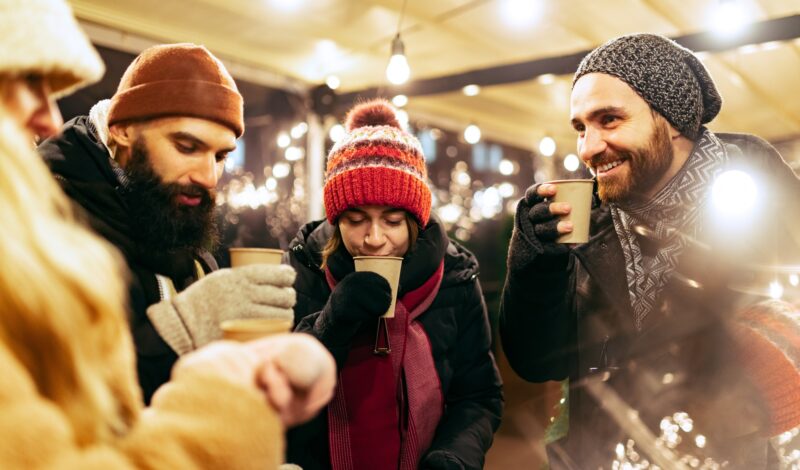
(144, 165)
(627, 318)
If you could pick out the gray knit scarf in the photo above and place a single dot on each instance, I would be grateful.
(674, 210)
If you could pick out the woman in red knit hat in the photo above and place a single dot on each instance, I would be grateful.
(435, 400)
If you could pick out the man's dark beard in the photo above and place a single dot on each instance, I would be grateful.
(647, 166)
(158, 221)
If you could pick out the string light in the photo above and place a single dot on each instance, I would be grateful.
(400, 100)
(471, 90)
(472, 134)
(333, 82)
(547, 146)
(284, 140)
(336, 133)
(572, 162)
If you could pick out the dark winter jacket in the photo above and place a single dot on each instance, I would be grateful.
(569, 317)
(81, 164)
(457, 326)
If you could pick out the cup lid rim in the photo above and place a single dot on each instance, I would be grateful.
(576, 180)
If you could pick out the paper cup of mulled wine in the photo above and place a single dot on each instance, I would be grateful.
(578, 193)
(386, 266)
(246, 256)
(249, 329)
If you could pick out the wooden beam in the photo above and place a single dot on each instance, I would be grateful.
(779, 29)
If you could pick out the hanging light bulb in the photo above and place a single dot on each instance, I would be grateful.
(397, 72)
(472, 134)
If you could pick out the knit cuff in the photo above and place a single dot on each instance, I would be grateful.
(170, 327)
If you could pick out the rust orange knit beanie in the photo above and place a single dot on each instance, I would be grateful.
(376, 163)
(178, 80)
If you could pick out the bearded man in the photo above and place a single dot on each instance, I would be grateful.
(144, 166)
(623, 317)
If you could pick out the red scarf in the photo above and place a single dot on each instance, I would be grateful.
(386, 408)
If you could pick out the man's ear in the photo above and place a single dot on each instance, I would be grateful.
(122, 136)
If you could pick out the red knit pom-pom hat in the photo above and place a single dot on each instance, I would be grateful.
(768, 340)
(376, 163)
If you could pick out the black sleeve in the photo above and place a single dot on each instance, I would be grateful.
(537, 318)
(474, 401)
(154, 357)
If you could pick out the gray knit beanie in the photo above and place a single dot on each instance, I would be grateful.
(665, 74)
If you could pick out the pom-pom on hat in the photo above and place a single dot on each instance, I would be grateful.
(376, 163)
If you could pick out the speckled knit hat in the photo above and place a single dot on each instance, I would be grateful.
(376, 163)
(665, 74)
(768, 345)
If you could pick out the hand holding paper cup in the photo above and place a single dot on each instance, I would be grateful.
(386, 266)
(578, 193)
(246, 256)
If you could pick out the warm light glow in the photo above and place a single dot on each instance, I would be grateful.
(472, 134)
(402, 116)
(572, 162)
(520, 13)
(281, 170)
(547, 147)
(794, 280)
(700, 441)
(728, 17)
(506, 190)
(299, 130)
(336, 133)
(284, 140)
(400, 100)
(271, 183)
(294, 153)
(506, 167)
(734, 193)
(547, 79)
(463, 178)
(775, 290)
(471, 90)
(450, 213)
(333, 82)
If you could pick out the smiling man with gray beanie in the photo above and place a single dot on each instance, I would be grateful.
(144, 165)
(619, 310)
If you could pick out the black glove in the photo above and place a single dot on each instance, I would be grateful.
(534, 232)
(440, 460)
(359, 297)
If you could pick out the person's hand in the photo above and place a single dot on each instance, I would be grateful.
(191, 319)
(537, 226)
(297, 374)
(360, 296)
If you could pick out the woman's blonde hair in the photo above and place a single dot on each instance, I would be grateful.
(61, 296)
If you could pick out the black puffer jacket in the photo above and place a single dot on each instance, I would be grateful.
(456, 324)
(569, 316)
(80, 163)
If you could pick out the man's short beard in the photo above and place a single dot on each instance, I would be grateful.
(647, 166)
(158, 221)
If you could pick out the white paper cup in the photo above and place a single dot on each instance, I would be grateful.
(578, 193)
(249, 329)
(246, 256)
(386, 266)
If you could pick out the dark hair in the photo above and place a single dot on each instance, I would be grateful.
(336, 239)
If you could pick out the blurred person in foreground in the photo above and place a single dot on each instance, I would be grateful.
(640, 312)
(435, 399)
(69, 397)
(144, 167)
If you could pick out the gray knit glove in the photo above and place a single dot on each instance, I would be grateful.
(191, 319)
